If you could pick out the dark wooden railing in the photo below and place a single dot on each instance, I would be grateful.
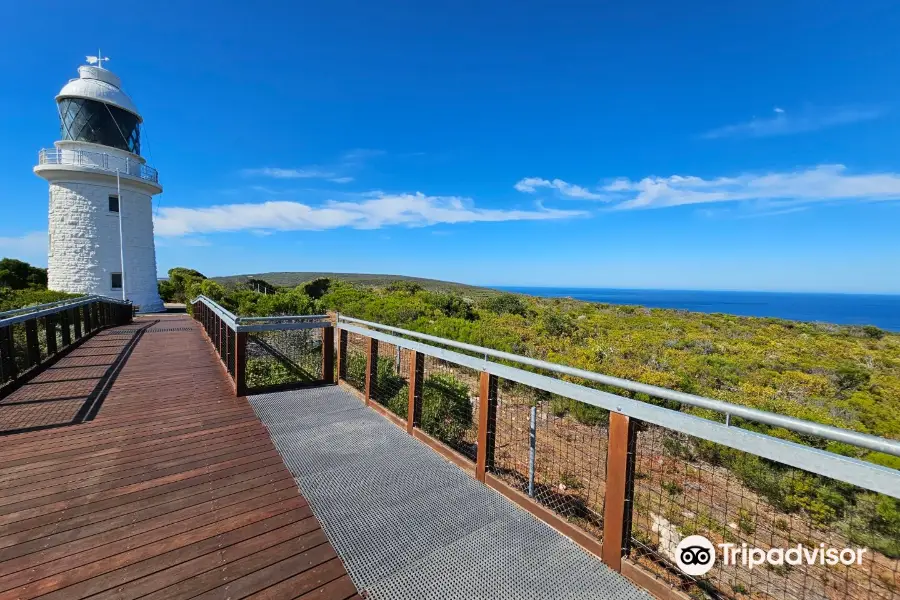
(35, 337)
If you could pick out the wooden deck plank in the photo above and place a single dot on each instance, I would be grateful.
(174, 489)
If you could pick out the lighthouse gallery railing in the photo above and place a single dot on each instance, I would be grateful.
(98, 160)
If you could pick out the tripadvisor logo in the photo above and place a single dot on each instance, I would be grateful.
(695, 555)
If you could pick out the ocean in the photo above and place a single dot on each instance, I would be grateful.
(845, 309)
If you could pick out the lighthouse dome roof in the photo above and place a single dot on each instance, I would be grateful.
(102, 85)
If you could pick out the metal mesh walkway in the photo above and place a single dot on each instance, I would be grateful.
(410, 525)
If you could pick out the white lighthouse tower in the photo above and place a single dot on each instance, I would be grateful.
(101, 193)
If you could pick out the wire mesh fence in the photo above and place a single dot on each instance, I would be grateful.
(555, 449)
(686, 486)
(283, 357)
(390, 385)
(568, 473)
(450, 398)
(354, 361)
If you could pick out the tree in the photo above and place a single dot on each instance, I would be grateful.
(182, 280)
(317, 287)
(18, 275)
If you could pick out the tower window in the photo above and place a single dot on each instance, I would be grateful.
(113, 204)
(116, 281)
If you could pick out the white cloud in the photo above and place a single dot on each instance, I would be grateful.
(277, 173)
(377, 210)
(809, 119)
(808, 186)
(531, 184)
(30, 247)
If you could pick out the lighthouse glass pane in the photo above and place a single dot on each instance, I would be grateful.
(116, 281)
(113, 204)
(91, 121)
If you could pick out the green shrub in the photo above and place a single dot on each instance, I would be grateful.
(850, 377)
(262, 373)
(505, 304)
(11, 299)
(874, 522)
(356, 370)
(446, 409)
(587, 414)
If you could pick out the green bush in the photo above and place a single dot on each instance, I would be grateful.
(505, 304)
(446, 409)
(11, 299)
(850, 377)
(874, 522)
(261, 373)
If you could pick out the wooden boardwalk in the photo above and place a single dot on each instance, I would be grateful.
(174, 490)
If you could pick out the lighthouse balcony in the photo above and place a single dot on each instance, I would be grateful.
(101, 161)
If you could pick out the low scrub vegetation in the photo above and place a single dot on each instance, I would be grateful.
(838, 375)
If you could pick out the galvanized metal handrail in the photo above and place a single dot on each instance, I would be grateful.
(281, 318)
(27, 313)
(828, 432)
(98, 160)
(856, 472)
(250, 324)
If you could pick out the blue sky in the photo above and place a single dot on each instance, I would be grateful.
(686, 146)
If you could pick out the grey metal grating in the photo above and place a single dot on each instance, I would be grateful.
(409, 524)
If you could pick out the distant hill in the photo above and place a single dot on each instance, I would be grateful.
(293, 278)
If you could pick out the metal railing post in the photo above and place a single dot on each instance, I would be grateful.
(619, 488)
(487, 422)
(416, 376)
(328, 354)
(371, 368)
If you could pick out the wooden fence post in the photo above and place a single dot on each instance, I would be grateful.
(50, 332)
(487, 421)
(328, 354)
(371, 368)
(86, 311)
(240, 363)
(32, 346)
(8, 368)
(342, 355)
(64, 326)
(416, 377)
(76, 313)
(619, 488)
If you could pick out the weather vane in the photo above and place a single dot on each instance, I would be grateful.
(97, 60)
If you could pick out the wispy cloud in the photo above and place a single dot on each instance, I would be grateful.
(350, 161)
(304, 173)
(30, 247)
(784, 123)
(371, 212)
(788, 188)
(807, 186)
(531, 185)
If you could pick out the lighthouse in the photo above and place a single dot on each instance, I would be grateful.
(101, 193)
